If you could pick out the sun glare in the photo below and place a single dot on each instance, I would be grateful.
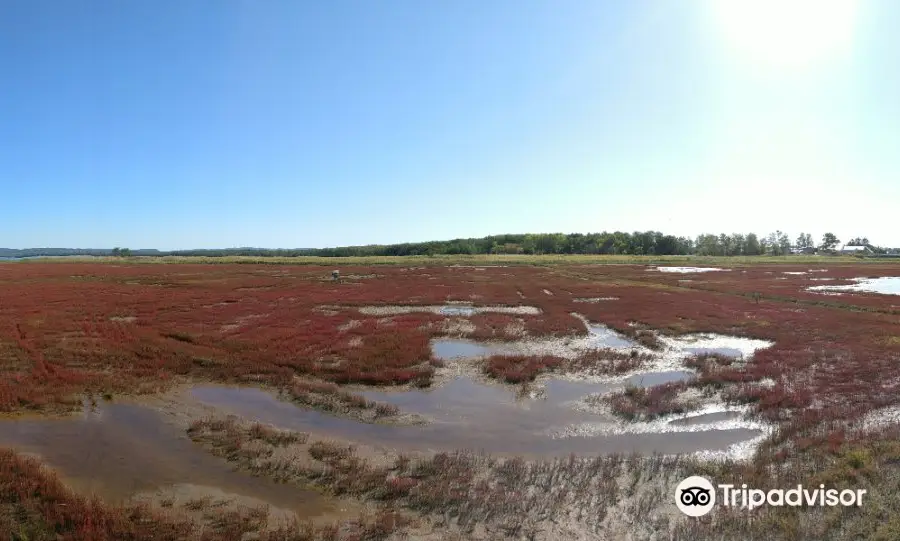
(790, 33)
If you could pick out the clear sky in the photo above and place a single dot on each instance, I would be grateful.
(281, 123)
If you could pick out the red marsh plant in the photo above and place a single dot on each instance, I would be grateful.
(330, 397)
(608, 361)
(525, 368)
(34, 504)
(520, 368)
(647, 403)
(507, 497)
(71, 328)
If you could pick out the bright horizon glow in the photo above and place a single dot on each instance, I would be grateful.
(787, 33)
(179, 125)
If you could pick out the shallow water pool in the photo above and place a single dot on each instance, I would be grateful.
(122, 449)
(468, 414)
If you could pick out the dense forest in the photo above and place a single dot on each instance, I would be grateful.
(617, 243)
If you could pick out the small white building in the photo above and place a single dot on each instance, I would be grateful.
(855, 250)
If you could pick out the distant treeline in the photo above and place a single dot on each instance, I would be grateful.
(617, 243)
(64, 252)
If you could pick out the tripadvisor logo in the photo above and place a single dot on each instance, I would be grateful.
(696, 496)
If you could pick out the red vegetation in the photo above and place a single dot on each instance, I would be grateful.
(330, 397)
(67, 329)
(34, 504)
(520, 368)
(525, 368)
(608, 362)
(639, 403)
(496, 327)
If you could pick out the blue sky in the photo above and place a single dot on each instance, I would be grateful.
(173, 124)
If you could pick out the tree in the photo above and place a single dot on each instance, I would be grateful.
(829, 242)
(685, 246)
(804, 241)
(858, 241)
(507, 248)
(607, 244)
(575, 244)
(724, 244)
(644, 243)
(736, 244)
(772, 245)
(667, 245)
(708, 245)
(778, 243)
(550, 243)
(116, 251)
(751, 245)
(529, 244)
(591, 244)
(784, 243)
(621, 243)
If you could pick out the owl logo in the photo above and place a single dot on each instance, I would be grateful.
(695, 496)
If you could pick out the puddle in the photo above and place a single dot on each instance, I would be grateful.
(707, 418)
(888, 285)
(600, 336)
(795, 273)
(594, 300)
(685, 270)
(563, 391)
(603, 336)
(450, 348)
(449, 310)
(124, 449)
(735, 347)
(649, 379)
(468, 414)
(490, 417)
(708, 423)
